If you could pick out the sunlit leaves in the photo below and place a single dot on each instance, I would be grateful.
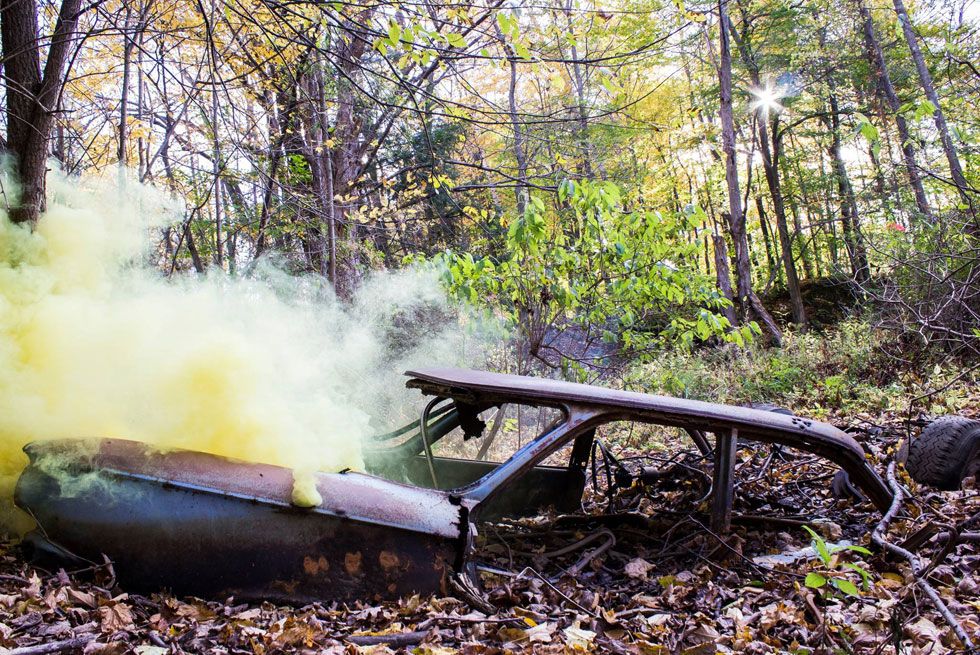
(832, 576)
(592, 262)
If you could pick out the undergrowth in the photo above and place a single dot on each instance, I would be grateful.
(851, 367)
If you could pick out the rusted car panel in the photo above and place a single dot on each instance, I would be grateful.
(215, 527)
(539, 489)
(595, 405)
(210, 526)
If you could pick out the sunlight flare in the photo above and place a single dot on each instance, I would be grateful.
(766, 99)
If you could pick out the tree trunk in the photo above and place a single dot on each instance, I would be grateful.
(925, 78)
(586, 151)
(766, 239)
(743, 271)
(724, 276)
(121, 152)
(850, 220)
(219, 243)
(31, 96)
(770, 164)
(886, 89)
(520, 155)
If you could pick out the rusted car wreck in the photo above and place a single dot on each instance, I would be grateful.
(209, 526)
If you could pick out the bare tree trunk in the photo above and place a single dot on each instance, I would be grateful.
(885, 88)
(332, 221)
(743, 271)
(578, 81)
(327, 169)
(770, 164)
(121, 152)
(798, 232)
(172, 183)
(925, 78)
(521, 190)
(32, 96)
(724, 276)
(767, 241)
(219, 245)
(142, 145)
(853, 238)
(807, 206)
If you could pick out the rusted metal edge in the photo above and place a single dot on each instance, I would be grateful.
(603, 405)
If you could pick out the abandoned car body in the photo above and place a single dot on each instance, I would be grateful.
(204, 525)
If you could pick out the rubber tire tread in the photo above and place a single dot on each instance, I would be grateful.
(938, 457)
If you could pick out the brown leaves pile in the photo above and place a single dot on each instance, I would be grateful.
(666, 584)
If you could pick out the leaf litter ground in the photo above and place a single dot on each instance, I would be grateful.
(639, 571)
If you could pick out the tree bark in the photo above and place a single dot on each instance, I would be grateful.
(520, 156)
(886, 89)
(748, 300)
(925, 78)
(853, 238)
(770, 164)
(121, 153)
(724, 276)
(31, 95)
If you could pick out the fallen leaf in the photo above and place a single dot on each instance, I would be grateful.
(151, 650)
(923, 631)
(638, 568)
(579, 639)
(116, 617)
(82, 597)
(33, 588)
(111, 648)
(540, 633)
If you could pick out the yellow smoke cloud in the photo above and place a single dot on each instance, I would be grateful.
(95, 342)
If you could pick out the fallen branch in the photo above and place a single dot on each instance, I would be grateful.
(878, 536)
(52, 646)
(398, 640)
(432, 620)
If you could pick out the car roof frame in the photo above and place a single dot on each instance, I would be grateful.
(587, 407)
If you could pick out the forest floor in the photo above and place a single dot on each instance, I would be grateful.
(641, 573)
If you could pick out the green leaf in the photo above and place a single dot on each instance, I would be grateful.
(820, 545)
(504, 21)
(856, 549)
(456, 40)
(814, 580)
(846, 586)
(865, 576)
(924, 109)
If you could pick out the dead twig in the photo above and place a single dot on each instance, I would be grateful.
(594, 553)
(432, 620)
(555, 589)
(53, 646)
(878, 536)
(393, 640)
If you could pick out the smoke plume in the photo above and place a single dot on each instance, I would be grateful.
(95, 342)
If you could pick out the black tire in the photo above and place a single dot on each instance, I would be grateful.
(946, 452)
